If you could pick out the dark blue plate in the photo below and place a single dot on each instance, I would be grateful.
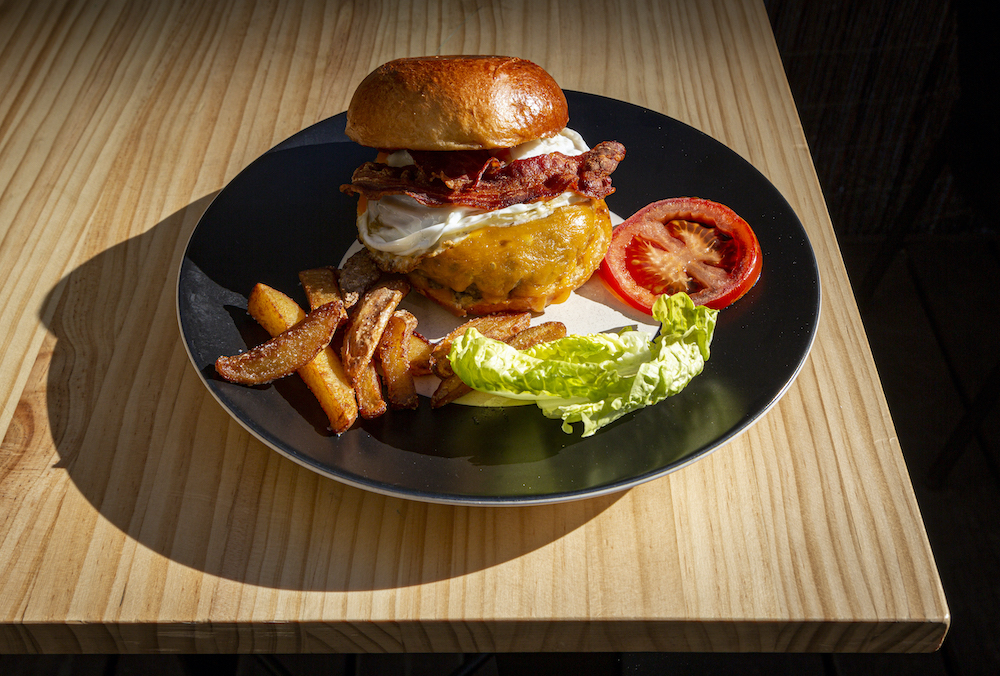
(285, 213)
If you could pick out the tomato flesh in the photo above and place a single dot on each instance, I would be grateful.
(684, 244)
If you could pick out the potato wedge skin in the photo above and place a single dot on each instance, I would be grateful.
(452, 387)
(368, 322)
(394, 354)
(324, 375)
(368, 388)
(448, 390)
(285, 353)
(499, 326)
(420, 354)
(545, 332)
(321, 287)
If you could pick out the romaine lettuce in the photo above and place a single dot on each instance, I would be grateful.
(594, 379)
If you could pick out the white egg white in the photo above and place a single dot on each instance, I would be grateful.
(400, 225)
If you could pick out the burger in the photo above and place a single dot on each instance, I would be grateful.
(479, 193)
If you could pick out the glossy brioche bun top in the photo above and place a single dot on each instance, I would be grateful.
(456, 103)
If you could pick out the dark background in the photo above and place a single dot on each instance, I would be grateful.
(898, 102)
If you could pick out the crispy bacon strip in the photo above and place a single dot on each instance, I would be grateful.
(457, 169)
(493, 185)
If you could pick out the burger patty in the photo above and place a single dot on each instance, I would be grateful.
(519, 267)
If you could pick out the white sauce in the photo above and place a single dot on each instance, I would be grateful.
(400, 225)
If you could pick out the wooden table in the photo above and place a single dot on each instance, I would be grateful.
(137, 516)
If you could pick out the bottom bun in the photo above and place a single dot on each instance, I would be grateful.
(519, 267)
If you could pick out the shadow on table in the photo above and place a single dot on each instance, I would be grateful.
(208, 495)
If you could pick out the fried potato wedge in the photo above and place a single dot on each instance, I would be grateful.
(545, 332)
(394, 354)
(499, 326)
(368, 388)
(368, 322)
(359, 274)
(452, 387)
(324, 375)
(321, 287)
(285, 353)
(448, 390)
(420, 354)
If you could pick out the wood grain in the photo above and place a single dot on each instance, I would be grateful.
(136, 516)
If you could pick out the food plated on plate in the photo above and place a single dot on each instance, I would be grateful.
(481, 199)
(480, 193)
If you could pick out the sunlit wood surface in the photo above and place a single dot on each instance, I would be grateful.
(136, 515)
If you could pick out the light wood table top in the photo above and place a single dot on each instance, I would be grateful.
(136, 515)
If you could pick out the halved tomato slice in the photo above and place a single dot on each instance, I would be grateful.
(683, 244)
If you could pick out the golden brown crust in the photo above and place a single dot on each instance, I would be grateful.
(456, 103)
(523, 267)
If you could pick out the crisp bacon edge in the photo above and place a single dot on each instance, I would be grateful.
(491, 185)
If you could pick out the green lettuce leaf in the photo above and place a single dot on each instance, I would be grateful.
(594, 379)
